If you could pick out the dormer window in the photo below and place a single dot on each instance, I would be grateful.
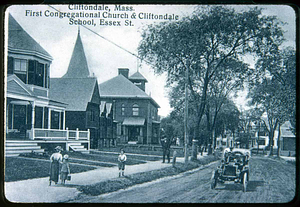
(135, 110)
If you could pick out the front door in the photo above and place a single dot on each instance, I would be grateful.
(133, 133)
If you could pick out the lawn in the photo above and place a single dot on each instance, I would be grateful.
(112, 158)
(138, 178)
(137, 150)
(17, 168)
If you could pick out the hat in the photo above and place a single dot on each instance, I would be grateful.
(66, 156)
(58, 148)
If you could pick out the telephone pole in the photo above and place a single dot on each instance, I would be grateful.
(186, 116)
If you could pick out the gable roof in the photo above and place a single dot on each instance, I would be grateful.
(20, 41)
(16, 86)
(76, 92)
(78, 67)
(121, 87)
(137, 76)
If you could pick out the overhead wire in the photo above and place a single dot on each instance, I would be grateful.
(108, 40)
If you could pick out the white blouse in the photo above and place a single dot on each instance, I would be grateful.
(56, 156)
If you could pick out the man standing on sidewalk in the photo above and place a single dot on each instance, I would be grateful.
(166, 143)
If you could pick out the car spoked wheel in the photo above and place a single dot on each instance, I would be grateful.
(245, 181)
(213, 180)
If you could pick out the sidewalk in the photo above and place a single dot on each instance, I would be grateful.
(38, 190)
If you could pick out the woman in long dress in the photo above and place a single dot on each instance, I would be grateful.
(55, 159)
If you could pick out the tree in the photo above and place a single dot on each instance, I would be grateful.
(211, 44)
(275, 90)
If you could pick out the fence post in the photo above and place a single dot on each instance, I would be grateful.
(88, 139)
(77, 134)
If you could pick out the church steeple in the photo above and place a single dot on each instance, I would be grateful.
(78, 67)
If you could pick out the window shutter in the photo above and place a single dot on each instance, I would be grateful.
(31, 72)
(10, 65)
(46, 76)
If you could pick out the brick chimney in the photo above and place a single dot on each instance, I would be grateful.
(124, 72)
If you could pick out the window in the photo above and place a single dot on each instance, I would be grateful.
(135, 110)
(20, 69)
(20, 65)
(123, 110)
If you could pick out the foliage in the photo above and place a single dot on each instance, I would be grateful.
(274, 89)
(210, 44)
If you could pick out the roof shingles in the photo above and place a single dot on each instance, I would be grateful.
(19, 39)
(76, 92)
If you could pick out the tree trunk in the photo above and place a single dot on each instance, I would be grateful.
(271, 137)
(258, 138)
(278, 141)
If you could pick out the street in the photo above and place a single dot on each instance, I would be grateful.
(271, 181)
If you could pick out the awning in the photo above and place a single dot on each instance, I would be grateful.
(23, 103)
(134, 121)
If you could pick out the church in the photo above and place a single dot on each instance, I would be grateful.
(79, 89)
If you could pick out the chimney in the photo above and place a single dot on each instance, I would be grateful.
(124, 72)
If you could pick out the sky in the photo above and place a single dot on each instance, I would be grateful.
(58, 37)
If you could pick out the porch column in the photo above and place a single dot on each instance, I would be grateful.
(7, 110)
(43, 117)
(49, 118)
(149, 129)
(64, 122)
(32, 115)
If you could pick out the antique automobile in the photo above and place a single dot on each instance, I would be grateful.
(234, 168)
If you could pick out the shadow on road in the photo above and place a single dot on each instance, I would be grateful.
(252, 185)
(67, 185)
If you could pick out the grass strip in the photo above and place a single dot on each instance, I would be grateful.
(138, 178)
(22, 169)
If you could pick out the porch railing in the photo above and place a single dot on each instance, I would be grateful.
(58, 134)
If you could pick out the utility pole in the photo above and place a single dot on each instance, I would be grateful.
(186, 116)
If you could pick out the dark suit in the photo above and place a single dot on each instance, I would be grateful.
(165, 143)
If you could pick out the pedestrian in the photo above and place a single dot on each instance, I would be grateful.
(65, 169)
(55, 159)
(122, 159)
(174, 158)
(166, 148)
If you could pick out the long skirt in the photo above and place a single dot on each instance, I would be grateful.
(54, 171)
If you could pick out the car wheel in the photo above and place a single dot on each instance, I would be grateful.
(245, 181)
(213, 180)
(248, 175)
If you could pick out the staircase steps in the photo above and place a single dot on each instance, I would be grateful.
(15, 148)
(77, 147)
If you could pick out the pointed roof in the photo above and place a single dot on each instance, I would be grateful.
(137, 76)
(121, 87)
(20, 41)
(78, 67)
(76, 92)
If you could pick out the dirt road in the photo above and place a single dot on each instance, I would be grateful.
(271, 181)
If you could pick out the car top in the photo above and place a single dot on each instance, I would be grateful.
(243, 151)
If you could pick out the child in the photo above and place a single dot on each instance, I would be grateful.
(65, 169)
(122, 158)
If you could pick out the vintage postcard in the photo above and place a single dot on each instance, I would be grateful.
(113, 103)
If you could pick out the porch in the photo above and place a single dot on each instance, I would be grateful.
(37, 140)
